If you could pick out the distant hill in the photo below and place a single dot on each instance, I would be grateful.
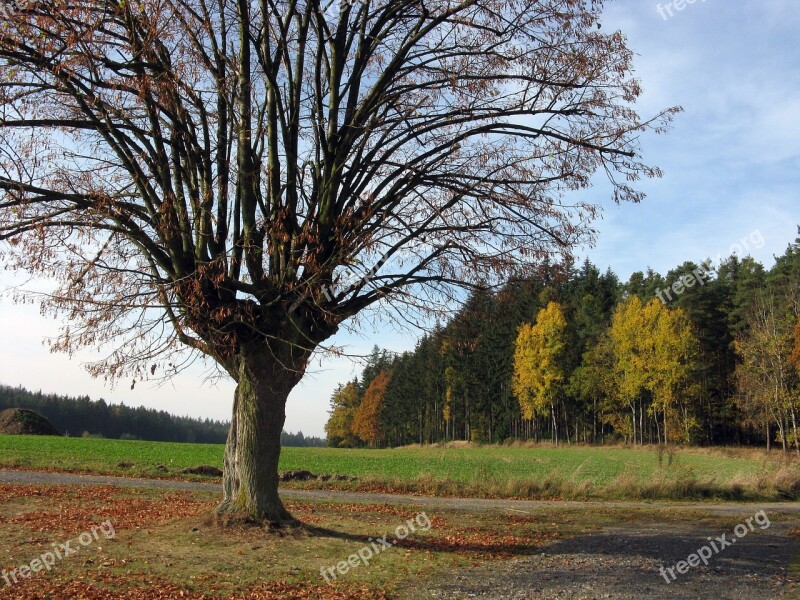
(79, 416)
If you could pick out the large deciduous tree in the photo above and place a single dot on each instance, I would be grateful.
(205, 173)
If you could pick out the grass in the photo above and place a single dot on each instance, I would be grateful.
(94, 455)
(534, 472)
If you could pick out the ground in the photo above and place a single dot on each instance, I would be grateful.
(486, 548)
(623, 562)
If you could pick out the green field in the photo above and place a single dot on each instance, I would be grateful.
(568, 472)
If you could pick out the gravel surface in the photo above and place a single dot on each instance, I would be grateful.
(623, 563)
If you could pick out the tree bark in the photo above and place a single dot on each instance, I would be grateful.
(794, 431)
(250, 481)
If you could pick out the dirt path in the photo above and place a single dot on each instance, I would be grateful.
(619, 562)
(468, 504)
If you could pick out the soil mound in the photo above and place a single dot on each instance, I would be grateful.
(21, 421)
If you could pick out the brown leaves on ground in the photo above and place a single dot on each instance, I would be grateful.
(66, 511)
(142, 587)
(303, 512)
(98, 504)
(9, 492)
(479, 543)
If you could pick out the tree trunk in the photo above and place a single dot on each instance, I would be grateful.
(658, 429)
(794, 431)
(250, 482)
(768, 436)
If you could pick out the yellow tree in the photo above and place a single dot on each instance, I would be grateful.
(654, 351)
(538, 374)
(675, 350)
(339, 428)
(631, 354)
(367, 421)
(794, 358)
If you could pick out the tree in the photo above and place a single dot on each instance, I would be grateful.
(344, 403)
(653, 352)
(538, 370)
(675, 350)
(367, 422)
(631, 358)
(242, 178)
(593, 381)
(765, 376)
(767, 346)
(794, 358)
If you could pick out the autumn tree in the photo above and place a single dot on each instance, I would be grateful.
(653, 353)
(631, 358)
(765, 376)
(672, 381)
(344, 403)
(367, 421)
(539, 376)
(794, 357)
(211, 175)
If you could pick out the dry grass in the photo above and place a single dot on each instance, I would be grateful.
(670, 482)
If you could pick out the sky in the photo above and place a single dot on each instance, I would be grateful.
(731, 184)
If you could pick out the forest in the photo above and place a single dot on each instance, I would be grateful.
(707, 354)
(81, 416)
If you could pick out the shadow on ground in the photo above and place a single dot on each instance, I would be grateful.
(624, 563)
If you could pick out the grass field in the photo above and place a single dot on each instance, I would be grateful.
(537, 472)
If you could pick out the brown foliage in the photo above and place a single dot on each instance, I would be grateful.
(367, 420)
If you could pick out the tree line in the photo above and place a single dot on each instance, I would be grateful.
(79, 415)
(697, 356)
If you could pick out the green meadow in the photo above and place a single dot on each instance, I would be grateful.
(536, 472)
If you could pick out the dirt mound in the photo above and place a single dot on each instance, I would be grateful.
(20, 421)
(309, 476)
(204, 470)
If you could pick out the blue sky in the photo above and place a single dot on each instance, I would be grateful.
(732, 173)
